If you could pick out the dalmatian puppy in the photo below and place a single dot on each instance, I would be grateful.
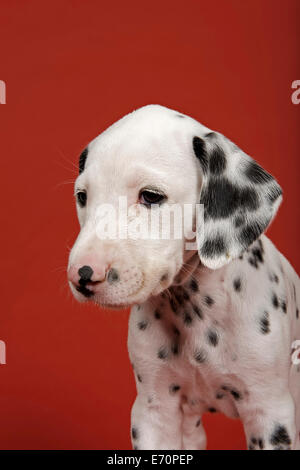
(210, 329)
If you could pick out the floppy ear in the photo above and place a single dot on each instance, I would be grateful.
(240, 199)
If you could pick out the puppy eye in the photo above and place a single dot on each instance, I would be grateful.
(149, 197)
(81, 198)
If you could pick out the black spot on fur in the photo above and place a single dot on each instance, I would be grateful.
(209, 301)
(275, 300)
(256, 174)
(157, 314)
(180, 116)
(162, 353)
(82, 160)
(283, 306)
(198, 311)
(274, 278)
(297, 313)
(139, 378)
(142, 325)
(217, 160)
(212, 337)
(185, 295)
(179, 297)
(134, 432)
(237, 284)
(236, 395)
(198, 423)
(194, 285)
(174, 388)
(176, 331)
(187, 319)
(257, 253)
(200, 152)
(213, 247)
(175, 348)
(280, 436)
(200, 355)
(264, 323)
(173, 305)
(212, 410)
(261, 444)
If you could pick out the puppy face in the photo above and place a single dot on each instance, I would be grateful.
(156, 158)
(146, 157)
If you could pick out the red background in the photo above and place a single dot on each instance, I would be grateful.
(71, 69)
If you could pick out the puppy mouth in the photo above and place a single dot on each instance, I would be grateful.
(84, 291)
(86, 288)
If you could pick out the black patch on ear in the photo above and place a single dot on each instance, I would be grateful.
(274, 193)
(214, 247)
(220, 199)
(239, 220)
(217, 161)
(256, 174)
(251, 232)
(249, 199)
(200, 152)
(82, 160)
(210, 135)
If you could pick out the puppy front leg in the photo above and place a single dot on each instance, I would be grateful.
(269, 423)
(156, 425)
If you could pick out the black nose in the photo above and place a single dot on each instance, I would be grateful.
(85, 273)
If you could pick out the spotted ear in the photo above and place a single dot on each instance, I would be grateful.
(240, 199)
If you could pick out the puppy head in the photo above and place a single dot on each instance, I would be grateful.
(157, 158)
